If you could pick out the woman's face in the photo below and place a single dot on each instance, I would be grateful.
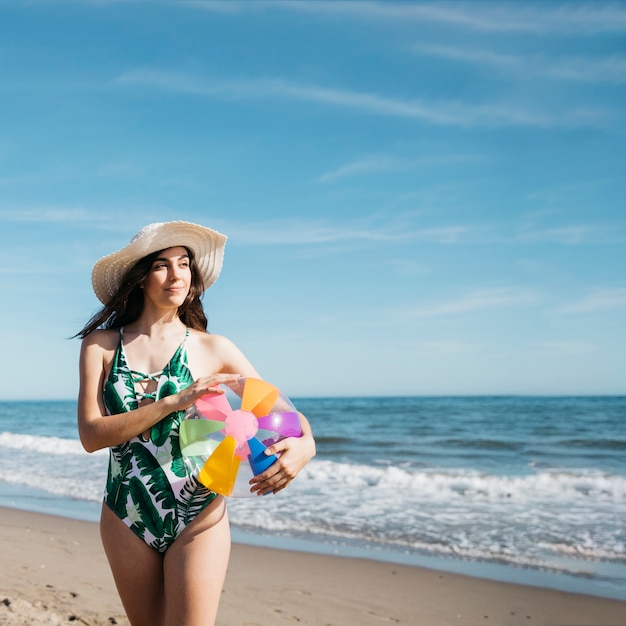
(168, 281)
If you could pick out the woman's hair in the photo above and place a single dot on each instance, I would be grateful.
(126, 304)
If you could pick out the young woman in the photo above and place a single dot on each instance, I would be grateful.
(146, 356)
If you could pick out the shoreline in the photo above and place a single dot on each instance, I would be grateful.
(54, 568)
(478, 507)
(604, 582)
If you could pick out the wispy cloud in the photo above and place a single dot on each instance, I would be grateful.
(564, 348)
(442, 113)
(10, 269)
(402, 228)
(446, 347)
(466, 54)
(581, 234)
(113, 219)
(385, 163)
(539, 18)
(315, 232)
(51, 215)
(474, 301)
(232, 7)
(407, 267)
(366, 165)
(511, 17)
(52, 176)
(119, 168)
(609, 69)
(566, 194)
(596, 302)
(115, 168)
(565, 18)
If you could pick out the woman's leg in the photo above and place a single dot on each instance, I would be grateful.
(137, 570)
(195, 568)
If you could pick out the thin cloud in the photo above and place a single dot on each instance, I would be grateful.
(571, 18)
(443, 234)
(50, 215)
(295, 232)
(407, 267)
(311, 232)
(231, 7)
(486, 17)
(468, 55)
(441, 113)
(264, 233)
(20, 271)
(57, 175)
(480, 300)
(366, 165)
(384, 163)
(564, 348)
(584, 234)
(103, 219)
(120, 168)
(446, 347)
(565, 234)
(597, 301)
(611, 69)
(568, 193)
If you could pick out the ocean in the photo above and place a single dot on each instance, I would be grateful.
(524, 489)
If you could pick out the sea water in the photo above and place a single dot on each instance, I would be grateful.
(527, 489)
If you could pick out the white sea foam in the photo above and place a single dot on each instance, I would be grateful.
(333, 480)
(87, 488)
(455, 485)
(52, 464)
(525, 520)
(536, 519)
(45, 445)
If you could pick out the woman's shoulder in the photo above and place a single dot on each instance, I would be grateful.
(210, 340)
(106, 339)
(216, 353)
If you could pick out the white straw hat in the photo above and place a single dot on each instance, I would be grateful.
(206, 244)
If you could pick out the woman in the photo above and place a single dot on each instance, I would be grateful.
(146, 356)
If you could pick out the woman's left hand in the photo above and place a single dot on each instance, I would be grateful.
(293, 454)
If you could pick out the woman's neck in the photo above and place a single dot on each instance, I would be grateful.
(152, 322)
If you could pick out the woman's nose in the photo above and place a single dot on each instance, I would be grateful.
(175, 272)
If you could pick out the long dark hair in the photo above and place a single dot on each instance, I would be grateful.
(127, 303)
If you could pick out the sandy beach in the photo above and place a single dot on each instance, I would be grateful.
(53, 571)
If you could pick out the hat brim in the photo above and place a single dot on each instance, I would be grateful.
(206, 244)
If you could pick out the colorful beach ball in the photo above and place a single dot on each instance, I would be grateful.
(223, 437)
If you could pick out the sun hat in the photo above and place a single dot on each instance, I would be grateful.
(206, 244)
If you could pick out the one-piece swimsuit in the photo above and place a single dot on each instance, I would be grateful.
(149, 487)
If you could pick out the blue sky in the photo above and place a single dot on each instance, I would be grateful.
(420, 198)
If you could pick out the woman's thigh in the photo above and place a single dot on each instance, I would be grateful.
(137, 570)
(195, 568)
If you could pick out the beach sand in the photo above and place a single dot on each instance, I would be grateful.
(53, 571)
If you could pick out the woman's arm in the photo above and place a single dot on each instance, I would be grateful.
(294, 452)
(97, 429)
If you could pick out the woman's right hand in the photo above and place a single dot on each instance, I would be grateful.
(200, 387)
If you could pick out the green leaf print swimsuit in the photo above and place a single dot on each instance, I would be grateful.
(148, 485)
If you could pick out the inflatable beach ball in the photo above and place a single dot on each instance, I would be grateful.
(223, 437)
